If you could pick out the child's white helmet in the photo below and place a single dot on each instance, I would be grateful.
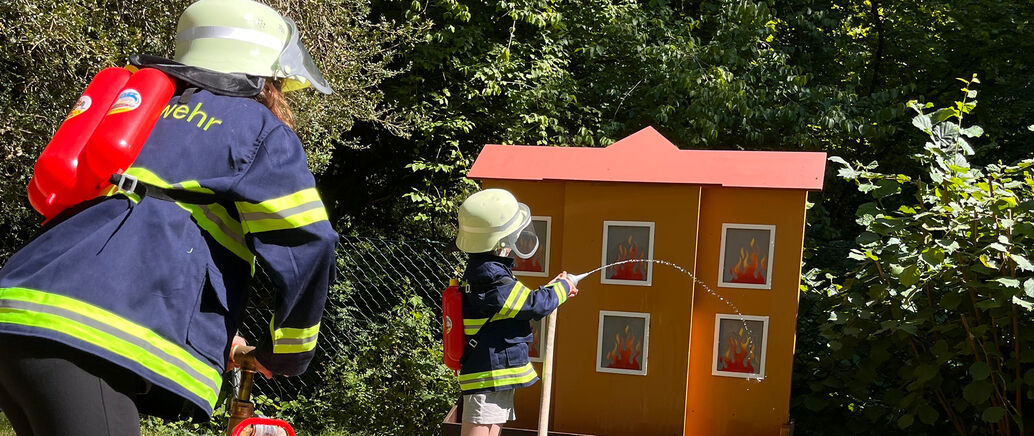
(492, 219)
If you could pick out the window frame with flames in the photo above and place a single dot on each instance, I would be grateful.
(771, 228)
(760, 375)
(646, 342)
(544, 244)
(541, 323)
(649, 255)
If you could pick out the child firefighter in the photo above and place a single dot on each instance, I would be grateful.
(497, 308)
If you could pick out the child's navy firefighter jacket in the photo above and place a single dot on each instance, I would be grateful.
(496, 313)
(158, 287)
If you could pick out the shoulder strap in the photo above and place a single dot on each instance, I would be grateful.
(472, 343)
(127, 183)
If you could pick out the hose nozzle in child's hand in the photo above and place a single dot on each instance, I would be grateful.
(575, 278)
(572, 285)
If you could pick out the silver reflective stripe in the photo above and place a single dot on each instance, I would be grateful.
(236, 33)
(302, 341)
(530, 370)
(230, 233)
(90, 322)
(281, 214)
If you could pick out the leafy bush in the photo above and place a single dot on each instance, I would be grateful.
(929, 333)
(388, 380)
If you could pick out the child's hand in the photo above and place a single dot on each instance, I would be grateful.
(570, 284)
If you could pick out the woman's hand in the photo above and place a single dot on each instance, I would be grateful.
(242, 356)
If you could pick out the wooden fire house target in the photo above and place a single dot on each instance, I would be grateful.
(645, 349)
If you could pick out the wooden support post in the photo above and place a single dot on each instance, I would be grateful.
(547, 374)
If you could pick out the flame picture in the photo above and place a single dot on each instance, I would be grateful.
(751, 265)
(631, 270)
(626, 352)
(738, 355)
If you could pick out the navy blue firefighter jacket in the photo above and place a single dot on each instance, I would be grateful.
(497, 309)
(158, 287)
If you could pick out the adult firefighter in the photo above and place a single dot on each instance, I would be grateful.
(129, 302)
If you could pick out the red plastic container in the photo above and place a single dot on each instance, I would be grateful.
(237, 431)
(129, 121)
(453, 338)
(56, 171)
(39, 202)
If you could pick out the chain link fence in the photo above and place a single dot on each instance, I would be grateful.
(373, 276)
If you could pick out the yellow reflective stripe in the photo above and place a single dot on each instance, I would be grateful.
(278, 204)
(292, 340)
(558, 289)
(291, 222)
(88, 323)
(212, 218)
(498, 377)
(493, 373)
(299, 348)
(514, 301)
(522, 298)
(471, 326)
(290, 211)
(288, 332)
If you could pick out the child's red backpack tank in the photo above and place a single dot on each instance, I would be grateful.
(453, 340)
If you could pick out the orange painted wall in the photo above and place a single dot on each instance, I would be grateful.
(736, 406)
(679, 395)
(587, 401)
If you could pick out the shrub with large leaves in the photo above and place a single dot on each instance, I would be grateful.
(931, 332)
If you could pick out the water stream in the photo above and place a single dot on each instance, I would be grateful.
(750, 334)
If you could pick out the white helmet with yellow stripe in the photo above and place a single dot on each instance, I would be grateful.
(244, 36)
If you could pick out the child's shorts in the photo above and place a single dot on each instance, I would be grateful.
(489, 407)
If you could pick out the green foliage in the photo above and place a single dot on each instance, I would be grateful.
(150, 426)
(581, 73)
(387, 380)
(5, 426)
(929, 332)
(50, 49)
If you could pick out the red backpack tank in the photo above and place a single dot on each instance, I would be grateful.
(453, 340)
(102, 135)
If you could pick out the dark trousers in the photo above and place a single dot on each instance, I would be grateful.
(49, 389)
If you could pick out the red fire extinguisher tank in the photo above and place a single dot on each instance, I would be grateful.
(124, 129)
(453, 340)
(56, 171)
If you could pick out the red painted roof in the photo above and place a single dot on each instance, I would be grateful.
(648, 157)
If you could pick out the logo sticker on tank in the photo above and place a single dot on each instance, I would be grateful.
(128, 100)
(81, 106)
